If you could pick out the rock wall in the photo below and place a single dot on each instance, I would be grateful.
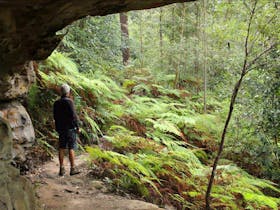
(13, 87)
(15, 84)
(23, 135)
(16, 134)
(16, 193)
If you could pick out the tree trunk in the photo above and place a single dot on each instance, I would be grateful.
(204, 41)
(185, 39)
(196, 51)
(181, 50)
(160, 38)
(124, 38)
(232, 102)
(172, 40)
(141, 40)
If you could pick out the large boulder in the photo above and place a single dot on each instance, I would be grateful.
(14, 85)
(23, 135)
(16, 192)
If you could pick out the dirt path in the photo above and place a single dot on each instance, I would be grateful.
(79, 192)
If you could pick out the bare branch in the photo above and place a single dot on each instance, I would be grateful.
(248, 31)
(260, 55)
(258, 66)
(257, 34)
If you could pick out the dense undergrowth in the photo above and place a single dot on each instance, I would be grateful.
(150, 139)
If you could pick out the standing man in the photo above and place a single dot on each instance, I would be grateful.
(66, 124)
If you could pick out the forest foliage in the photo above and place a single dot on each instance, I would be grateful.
(158, 147)
(147, 119)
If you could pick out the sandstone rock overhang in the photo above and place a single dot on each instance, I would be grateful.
(28, 27)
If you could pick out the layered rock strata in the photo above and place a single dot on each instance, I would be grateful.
(16, 135)
(12, 87)
(16, 192)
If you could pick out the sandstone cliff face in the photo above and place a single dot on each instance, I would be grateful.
(13, 86)
(16, 134)
(23, 135)
(15, 191)
(16, 84)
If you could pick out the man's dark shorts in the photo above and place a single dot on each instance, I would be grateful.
(67, 139)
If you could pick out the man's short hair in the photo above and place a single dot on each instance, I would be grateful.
(65, 89)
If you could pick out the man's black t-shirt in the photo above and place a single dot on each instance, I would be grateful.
(64, 115)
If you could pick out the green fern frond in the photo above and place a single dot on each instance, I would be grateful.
(94, 126)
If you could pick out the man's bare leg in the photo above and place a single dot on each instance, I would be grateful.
(61, 162)
(61, 157)
(72, 157)
(73, 170)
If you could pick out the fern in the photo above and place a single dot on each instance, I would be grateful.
(94, 126)
(136, 173)
(165, 126)
(162, 161)
(261, 200)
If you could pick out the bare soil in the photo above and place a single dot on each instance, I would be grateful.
(79, 192)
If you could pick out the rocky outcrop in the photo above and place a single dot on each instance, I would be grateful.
(23, 135)
(16, 134)
(28, 28)
(13, 86)
(16, 192)
(17, 83)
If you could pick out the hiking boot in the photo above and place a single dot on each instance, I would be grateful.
(61, 171)
(74, 171)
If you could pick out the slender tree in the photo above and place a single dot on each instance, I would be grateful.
(124, 38)
(141, 40)
(204, 43)
(246, 67)
(196, 49)
(160, 37)
(172, 39)
(182, 50)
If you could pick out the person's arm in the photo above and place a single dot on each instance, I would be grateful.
(55, 114)
(74, 115)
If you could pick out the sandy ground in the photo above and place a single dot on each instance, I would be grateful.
(79, 192)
